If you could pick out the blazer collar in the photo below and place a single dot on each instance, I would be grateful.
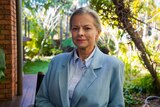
(98, 57)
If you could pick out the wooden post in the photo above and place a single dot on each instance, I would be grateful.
(19, 49)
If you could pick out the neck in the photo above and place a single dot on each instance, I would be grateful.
(84, 53)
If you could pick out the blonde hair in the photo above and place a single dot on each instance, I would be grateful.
(86, 10)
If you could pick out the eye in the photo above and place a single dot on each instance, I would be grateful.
(87, 28)
(74, 29)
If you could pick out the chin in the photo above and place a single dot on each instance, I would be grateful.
(81, 47)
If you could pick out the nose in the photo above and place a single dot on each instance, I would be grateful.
(80, 32)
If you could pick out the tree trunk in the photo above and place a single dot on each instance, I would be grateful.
(67, 27)
(46, 35)
(61, 32)
(123, 16)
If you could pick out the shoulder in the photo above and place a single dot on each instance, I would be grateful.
(58, 61)
(112, 60)
(115, 66)
(61, 56)
(107, 59)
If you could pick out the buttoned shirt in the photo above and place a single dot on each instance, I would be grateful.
(77, 69)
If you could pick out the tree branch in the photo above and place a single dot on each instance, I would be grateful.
(145, 23)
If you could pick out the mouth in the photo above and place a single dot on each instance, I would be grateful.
(81, 40)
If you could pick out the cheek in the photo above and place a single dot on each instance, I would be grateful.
(92, 39)
(73, 38)
(73, 34)
(95, 37)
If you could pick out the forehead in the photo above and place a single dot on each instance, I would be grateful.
(82, 19)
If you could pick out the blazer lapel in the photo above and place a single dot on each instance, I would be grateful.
(88, 77)
(83, 85)
(63, 82)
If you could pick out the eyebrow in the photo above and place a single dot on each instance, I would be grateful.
(87, 25)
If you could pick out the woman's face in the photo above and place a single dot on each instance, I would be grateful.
(84, 32)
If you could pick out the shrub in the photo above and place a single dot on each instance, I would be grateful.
(138, 89)
(2, 64)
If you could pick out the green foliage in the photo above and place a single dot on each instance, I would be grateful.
(56, 51)
(41, 30)
(33, 67)
(104, 49)
(68, 42)
(133, 91)
(129, 98)
(37, 34)
(111, 45)
(106, 44)
(32, 48)
(137, 12)
(143, 84)
(132, 63)
(2, 64)
(152, 50)
(135, 84)
(106, 10)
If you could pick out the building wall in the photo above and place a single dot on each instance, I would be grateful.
(8, 42)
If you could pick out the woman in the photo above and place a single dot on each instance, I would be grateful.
(84, 77)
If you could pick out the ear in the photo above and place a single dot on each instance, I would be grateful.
(97, 35)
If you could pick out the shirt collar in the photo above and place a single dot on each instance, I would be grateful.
(87, 60)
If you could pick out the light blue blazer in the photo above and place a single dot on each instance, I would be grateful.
(101, 85)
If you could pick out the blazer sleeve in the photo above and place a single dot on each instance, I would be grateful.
(116, 86)
(42, 97)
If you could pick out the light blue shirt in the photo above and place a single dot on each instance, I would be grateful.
(77, 69)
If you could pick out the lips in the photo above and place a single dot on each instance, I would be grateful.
(81, 40)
